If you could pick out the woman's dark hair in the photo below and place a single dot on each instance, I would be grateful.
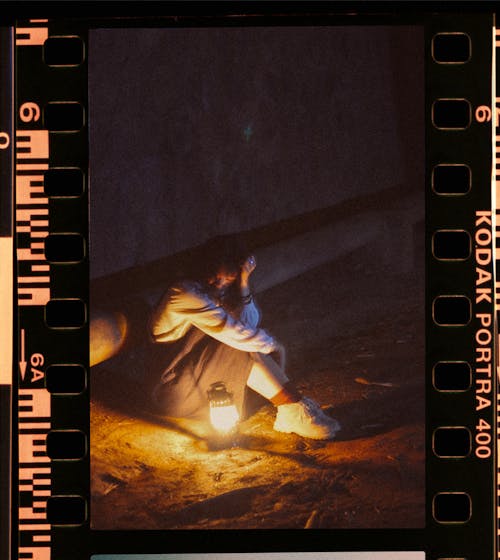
(222, 253)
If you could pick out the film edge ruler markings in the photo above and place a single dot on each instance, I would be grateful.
(33, 292)
(50, 138)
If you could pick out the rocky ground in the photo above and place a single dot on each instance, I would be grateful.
(354, 333)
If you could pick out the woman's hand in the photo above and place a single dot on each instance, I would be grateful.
(246, 269)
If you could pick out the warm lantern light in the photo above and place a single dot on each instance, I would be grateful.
(223, 413)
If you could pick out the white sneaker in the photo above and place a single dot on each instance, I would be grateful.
(306, 419)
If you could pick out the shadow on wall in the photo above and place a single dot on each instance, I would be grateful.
(121, 303)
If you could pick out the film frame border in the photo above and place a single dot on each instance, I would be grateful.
(67, 283)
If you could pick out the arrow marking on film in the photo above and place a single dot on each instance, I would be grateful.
(22, 361)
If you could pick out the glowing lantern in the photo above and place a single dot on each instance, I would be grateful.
(223, 413)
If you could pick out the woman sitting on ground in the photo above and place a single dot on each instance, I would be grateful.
(211, 324)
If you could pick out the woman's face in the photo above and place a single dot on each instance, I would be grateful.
(222, 280)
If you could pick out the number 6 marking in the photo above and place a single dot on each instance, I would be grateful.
(29, 112)
(483, 114)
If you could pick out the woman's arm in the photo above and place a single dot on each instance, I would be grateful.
(190, 305)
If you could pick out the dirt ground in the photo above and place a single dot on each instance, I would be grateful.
(354, 331)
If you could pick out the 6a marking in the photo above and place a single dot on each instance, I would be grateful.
(36, 361)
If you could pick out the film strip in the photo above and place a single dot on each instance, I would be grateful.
(42, 300)
(57, 491)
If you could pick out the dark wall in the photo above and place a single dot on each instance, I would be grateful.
(196, 132)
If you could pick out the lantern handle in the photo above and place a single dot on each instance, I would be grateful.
(218, 390)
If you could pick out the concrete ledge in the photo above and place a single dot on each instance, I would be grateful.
(296, 248)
